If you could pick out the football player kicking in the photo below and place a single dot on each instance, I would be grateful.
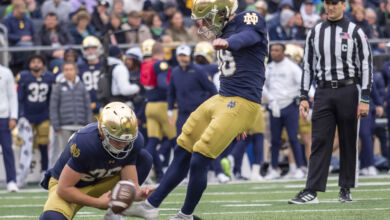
(95, 159)
(242, 46)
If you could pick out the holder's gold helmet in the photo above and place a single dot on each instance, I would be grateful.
(215, 13)
(146, 47)
(118, 122)
(295, 53)
(91, 41)
(206, 50)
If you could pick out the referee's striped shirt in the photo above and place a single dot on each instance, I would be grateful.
(335, 51)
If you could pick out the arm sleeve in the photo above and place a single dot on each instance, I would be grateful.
(12, 96)
(243, 39)
(365, 57)
(77, 161)
(309, 64)
(121, 77)
(21, 97)
(11, 36)
(54, 107)
(171, 93)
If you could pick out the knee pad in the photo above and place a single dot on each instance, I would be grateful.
(52, 215)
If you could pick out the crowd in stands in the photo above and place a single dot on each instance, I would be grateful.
(68, 22)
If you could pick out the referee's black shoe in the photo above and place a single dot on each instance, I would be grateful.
(305, 197)
(345, 195)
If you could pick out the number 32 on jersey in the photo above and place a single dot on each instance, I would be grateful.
(226, 63)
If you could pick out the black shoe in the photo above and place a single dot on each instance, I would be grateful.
(305, 197)
(238, 176)
(345, 195)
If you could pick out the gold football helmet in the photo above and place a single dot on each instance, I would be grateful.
(91, 41)
(295, 53)
(206, 50)
(214, 13)
(146, 47)
(118, 122)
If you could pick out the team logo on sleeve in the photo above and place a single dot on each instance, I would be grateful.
(163, 66)
(251, 18)
(75, 151)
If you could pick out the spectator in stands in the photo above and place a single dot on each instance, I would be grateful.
(133, 5)
(137, 31)
(34, 8)
(81, 27)
(323, 14)
(283, 5)
(156, 28)
(262, 8)
(177, 31)
(60, 7)
(298, 31)
(283, 29)
(114, 25)
(52, 34)
(8, 117)
(309, 15)
(117, 7)
(20, 33)
(69, 107)
(358, 17)
(352, 5)
(371, 19)
(384, 20)
(169, 11)
(100, 17)
(89, 4)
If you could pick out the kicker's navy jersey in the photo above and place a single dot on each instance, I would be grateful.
(89, 74)
(242, 63)
(210, 68)
(34, 96)
(85, 154)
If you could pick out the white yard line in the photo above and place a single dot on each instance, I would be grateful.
(246, 205)
(299, 186)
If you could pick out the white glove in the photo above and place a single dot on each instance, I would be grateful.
(275, 109)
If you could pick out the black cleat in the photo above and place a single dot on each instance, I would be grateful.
(305, 197)
(345, 195)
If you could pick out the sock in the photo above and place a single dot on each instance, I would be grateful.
(197, 183)
(216, 166)
(238, 153)
(258, 148)
(44, 157)
(50, 215)
(176, 172)
(151, 148)
(144, 164)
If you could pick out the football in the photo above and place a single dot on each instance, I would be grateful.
(122, 196)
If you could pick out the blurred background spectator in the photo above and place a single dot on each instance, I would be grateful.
(81, 27)
(137, 32)
(61, 8)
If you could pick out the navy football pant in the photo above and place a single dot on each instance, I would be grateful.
(8, 153)
(367, 148)
(289, 117)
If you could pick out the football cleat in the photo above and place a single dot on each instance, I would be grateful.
(272, 174)
(305, 197)
(182, 216)
(255, 174)
(12, 187)
(222, 178)
(142, 210)
(227, 165)
(345, 195)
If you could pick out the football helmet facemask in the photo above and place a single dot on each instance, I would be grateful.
(214, 14)
(118, 122)
(91, 41)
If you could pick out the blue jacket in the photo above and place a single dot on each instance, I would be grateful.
(189, 88)
(18, 28)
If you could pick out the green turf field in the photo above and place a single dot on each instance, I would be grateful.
(238, 201)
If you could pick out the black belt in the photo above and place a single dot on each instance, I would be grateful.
(334, 84)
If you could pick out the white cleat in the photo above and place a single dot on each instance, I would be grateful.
(181, 216)
(364, 172)
(272, 175)
(142, 210)
(12, 187)
(112, 216)
(255, 174)
(222, 178)
(372, 171)
(299, 174)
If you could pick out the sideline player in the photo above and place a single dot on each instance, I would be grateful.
(95, 159)
(242, 47)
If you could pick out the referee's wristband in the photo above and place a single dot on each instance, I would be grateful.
(303, 98)
(367, 101)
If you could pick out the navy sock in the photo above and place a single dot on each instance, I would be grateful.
(197, 183)
(216, 166)
(44, 157)
(238, 153)
(144, 164)
(258, 148)
(176, 172)
(151, 148)
(52, 215)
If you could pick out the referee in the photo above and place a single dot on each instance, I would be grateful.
(338, 58)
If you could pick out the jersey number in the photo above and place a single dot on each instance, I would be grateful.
(38, 92)
(100, 174)
(226, 63)
(90, 80)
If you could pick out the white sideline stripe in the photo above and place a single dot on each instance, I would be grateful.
(321, 201)
(25, 191)
(246, 205)
(22, 197)
(337, 185)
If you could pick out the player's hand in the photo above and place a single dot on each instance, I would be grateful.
(379, 111)
(220, 44)
(104, 201)
(11, 124)
(171, 120)
(144, 193)
(362, 110)
(241, 136)
(304, 109)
